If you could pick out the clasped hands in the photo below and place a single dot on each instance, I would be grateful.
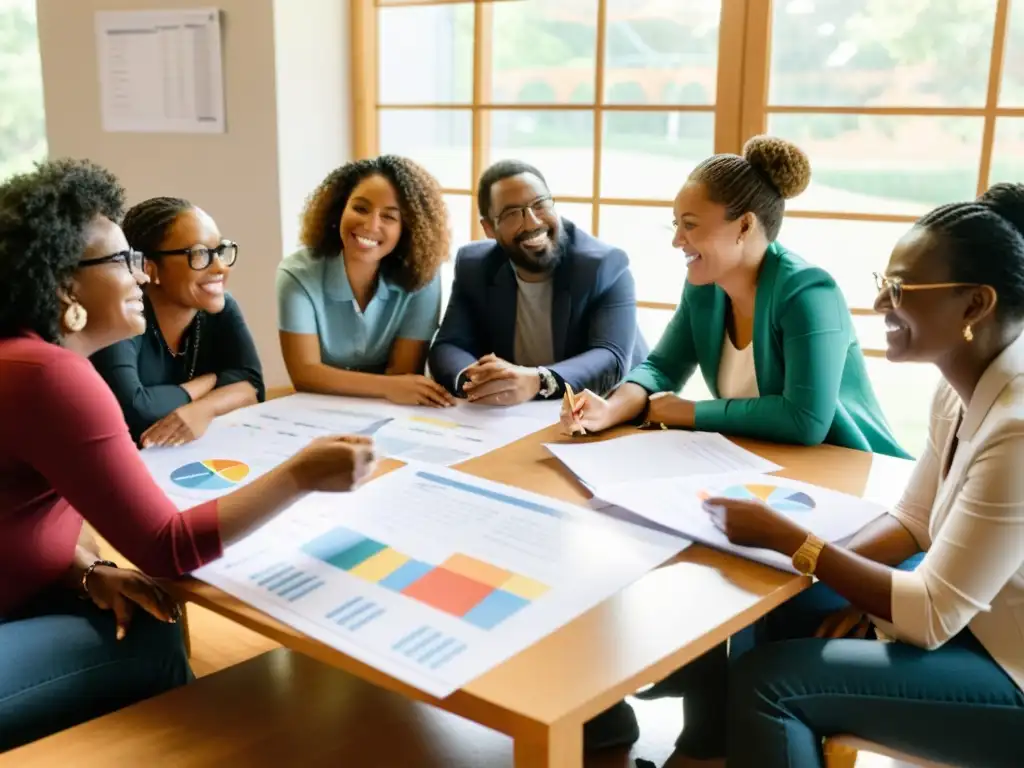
(493, 381)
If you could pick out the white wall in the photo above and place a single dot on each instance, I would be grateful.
(288, 117)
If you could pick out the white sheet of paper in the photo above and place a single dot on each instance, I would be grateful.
(678, 504)
(432, 576)
(655, 455)
(161, 71)
(442, 436)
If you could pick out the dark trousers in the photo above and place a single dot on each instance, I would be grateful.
(771, 699)
(61, 665)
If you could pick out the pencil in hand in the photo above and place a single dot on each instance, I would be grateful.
(575, 407)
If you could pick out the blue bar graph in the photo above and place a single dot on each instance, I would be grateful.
(355, 613)
(428, 647)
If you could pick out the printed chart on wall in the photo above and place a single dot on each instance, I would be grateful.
(432, 576)
(441, 436)
(678, 504)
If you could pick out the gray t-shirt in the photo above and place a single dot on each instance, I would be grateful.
(533, 343)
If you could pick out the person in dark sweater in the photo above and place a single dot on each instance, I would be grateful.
(197, 359)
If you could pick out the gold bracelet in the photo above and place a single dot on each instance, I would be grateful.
(88, 573)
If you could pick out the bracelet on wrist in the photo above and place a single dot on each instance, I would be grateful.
(88, 573)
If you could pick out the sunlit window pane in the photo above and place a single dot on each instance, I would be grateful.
(22, 127)
(1008, 150)
(849, 250)
(648, 155)
(881, 52)
(438, 139)
(884, 164)
(559, 143)
(660, 52)
(645, 234)
(1012, 92)
(459, 207)
(544, 51)
(905, 393)
(580, 214)
(439, 38)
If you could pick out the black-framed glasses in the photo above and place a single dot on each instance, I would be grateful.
(200, 257)
(896, 287)
(134, 260)
(513, 218)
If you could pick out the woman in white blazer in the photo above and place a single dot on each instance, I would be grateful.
(943, 678)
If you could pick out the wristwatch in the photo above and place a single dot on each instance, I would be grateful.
(805, 559)
(548, 382)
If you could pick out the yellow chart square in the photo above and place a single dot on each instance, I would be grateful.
(479, 571)
(380, 566)
(524, 587)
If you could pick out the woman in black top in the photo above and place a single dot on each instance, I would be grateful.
(197, 359)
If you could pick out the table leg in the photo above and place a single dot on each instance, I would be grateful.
(555, 746)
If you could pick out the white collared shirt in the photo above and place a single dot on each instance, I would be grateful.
(970, 521)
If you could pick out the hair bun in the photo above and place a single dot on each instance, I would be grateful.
(782, 162)
(1007, 200)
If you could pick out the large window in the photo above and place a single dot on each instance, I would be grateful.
(901, 106)
(22, 128)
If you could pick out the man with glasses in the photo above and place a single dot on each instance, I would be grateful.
(539, 306)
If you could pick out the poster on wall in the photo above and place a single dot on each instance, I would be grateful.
(161, 71)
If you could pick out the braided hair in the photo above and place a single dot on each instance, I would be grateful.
(984, 243)
(424, 242)
(44, 217)
(769, 172)
(147, 224)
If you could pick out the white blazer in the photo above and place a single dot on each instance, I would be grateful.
(969, 520)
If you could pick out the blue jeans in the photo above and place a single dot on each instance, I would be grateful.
(61, 665)
(771, 706)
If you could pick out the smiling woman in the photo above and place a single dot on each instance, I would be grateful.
(197, 359)
(359, 304)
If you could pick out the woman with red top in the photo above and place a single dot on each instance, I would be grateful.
(69, 286)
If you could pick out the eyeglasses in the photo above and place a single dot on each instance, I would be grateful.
(896, 287)
(200, 257)
(513, 218)
(134, 260)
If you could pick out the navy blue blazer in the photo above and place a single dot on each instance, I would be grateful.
(593, 314)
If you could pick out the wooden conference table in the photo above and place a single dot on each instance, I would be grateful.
(544, 695)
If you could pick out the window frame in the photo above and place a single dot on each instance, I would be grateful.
(741, 108)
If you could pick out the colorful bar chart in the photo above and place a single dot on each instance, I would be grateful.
(480, 593)
(286, 581)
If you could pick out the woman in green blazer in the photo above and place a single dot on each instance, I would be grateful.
(771, 333)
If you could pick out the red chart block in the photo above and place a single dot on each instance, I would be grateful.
(449, 592)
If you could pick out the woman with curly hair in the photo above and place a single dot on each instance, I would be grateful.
(786, 368)
(197, 359)
(69, 286)
(360, 303)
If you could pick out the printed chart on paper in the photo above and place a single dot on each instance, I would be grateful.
(432, 576)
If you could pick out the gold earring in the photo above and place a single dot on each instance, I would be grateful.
(75, 317)
(968, 333)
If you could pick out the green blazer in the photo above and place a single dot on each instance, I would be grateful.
(811, 376)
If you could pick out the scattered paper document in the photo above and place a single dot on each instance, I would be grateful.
(655, 455)
(432, 576)
(161, 71)
(442, 436)
(678, 504)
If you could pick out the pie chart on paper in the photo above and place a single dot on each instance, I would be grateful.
(210, 474)
(777, 497)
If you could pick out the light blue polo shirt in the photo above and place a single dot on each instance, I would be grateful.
(314, 296)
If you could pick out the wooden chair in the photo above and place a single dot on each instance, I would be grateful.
(841, 752)
(277, 709)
